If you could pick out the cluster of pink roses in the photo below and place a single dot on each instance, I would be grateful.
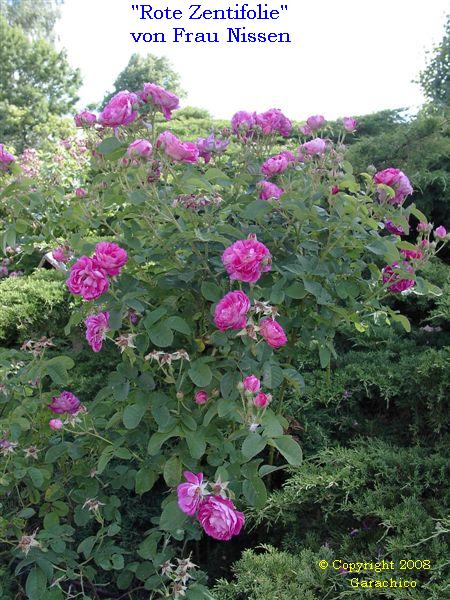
(89, 275)
(246, 260)
(252, 388)
(246, 124)
(66, 403)
(215, 512)
(318, 121)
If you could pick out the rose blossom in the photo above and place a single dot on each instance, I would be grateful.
(246, 260)
(412, 254)
(395, 179)
(96, 328)
(80, 192)
(275, 165)
(315, 146)
(394, 229)
(396, 281)
(272, 332)
(60, 255)
(440, 232)
(201, 397)
(269, 190)
(87, 279)
(231, 311)
(274, 121)
(315, 122)
(85, 119)
(5, 158)
(119, 110)
(261, 400)
(140, 148)
(66, 402)
(252, 384)
(186, 152)
(110, 257)
(306, 130)
(335, 190)
(211, 145)
(191, 494)
(243, 121)
(219, 518)
(349, 124)
(55, 424)
(163, 100)
(423, 227)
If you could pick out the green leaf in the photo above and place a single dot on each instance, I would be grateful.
(172, 471)
(324, 355)
(172, 518)
(161, 335)
(109, 145)
(211, 291)
(179, 324)
(272, 376)
(200, 374)
(37, 476)
(36, 585)
(196, 443)
(256, 210)
(132, 415)
(253, 445)
(255, 492)
(153, 317)
(87, 545)
(289, 449)
(296, 291)
(145, 480)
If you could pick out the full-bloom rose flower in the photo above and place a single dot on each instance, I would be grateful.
(120, 110)
(87, 279)
(85, 119)
(60, 254)
(140, 148)
(412, 254)
(252, 384)
(96, 328)
(5, 158)
(315, 122)
(440, 232)
(349, 124)
(394, 229)
(261, 400)
(247, 260)
(397, 282)
(186, 152)
(211, 145)
(80, 193)
(66, 402)
(269, 190)
(275, 165)
(395, 179)
(243, 121)
(273, 333)
(110, 257)
(231, 311)
(201, 397)
(219, 518)
(191, 494)
(315, 146)
(305, 129)
(162, 99)
(274, 121)
(55, 424)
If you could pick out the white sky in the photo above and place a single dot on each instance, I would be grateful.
(347, 56)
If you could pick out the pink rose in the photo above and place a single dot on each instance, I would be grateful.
(66, 402)
(252, 384)
(274, 121)
(55, 424)
(315, 146)
(5, 158)
(349, 124)
(60, 255)
(163, 100)
(269, 190)
(440, 232)
(243, 121)
(211, 145)
(186, 152)
(395, 179)
(261, 400)
(85, 119)
(96, 328)
(231, 311)
(306, 130)
(119, 110)
(272, 332)
(80, 193)
(396, 281)
(219, 518)
(246, 260)
(412, 254)
(423, 227)
(87, 279)
(394, 229)
(201, 397)
(110, 257)
(191, 494)
(335, 190)
(315, 122)
(140, 148)
(275, 165)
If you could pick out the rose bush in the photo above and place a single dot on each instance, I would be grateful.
(206, 279)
